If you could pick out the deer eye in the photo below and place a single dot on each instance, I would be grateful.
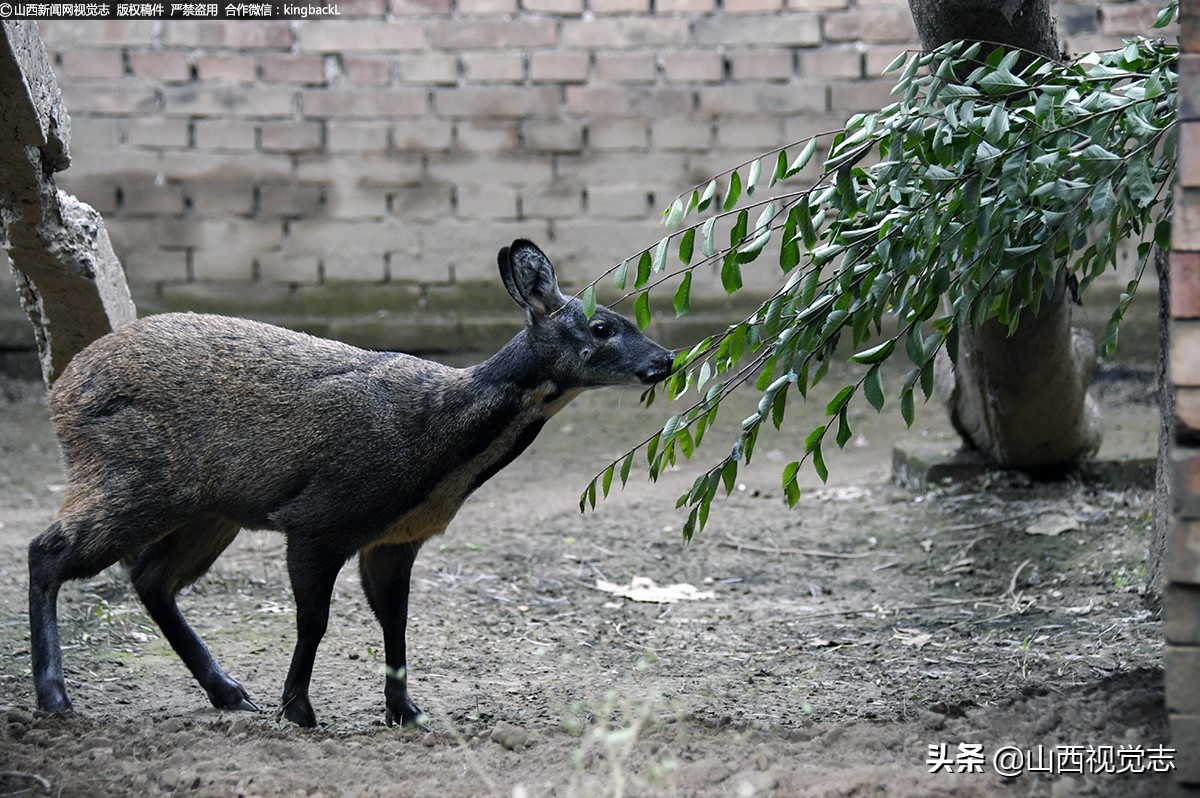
(602, 330)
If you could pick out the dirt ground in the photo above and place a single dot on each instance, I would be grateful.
(844, 648)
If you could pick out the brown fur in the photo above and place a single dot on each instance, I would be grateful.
(179, 430)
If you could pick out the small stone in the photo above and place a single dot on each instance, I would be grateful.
(514, 738)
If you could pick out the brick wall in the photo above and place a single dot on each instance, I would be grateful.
(1182, 597)
(371, 166)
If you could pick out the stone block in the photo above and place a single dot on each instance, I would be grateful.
(220, 198)
(92, 33)
(496, 101)
(784, 99)
(230, 34)
(360, 265)
(1185, 739)
(618, 202)
(428, 68)
(127, 98)
(225, 134)
(626, 66)
(552, 136)
(290, 200)
(871, 25)
(227, 167)
(221, 101)
(1187, 416)
(469, 167)
(630, 100)
(156, 132)
(556, 201)
(485, 201)
(800, 30)
(291, 136)
(91, 64)
(422, 135)
(367, 136)
(752, 6)
(1185, 485)
(146, 197)
(367, 70)
(617, 135)
(683, 134)
(277, 267)
(563, 8)
(618, 6)
(625, 31)
(767, 63)
(1189, 153)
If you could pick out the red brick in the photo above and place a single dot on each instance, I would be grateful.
(619, 6)
(693, 66)
(1128, 18)
(422, 135)
(1185, 354)
(428, 68)
(363, 103)
(561, 7)
(762, 64)
(91, 64)
(93, 33)
(1187, 416)
(235, 35)
(483, 34)
(224, 134)
(487, 6)
(127, 97)
(772, 98)
(752, 6)
(157, 132)
(1189, 153)
(558, 67)
(496, 101)
(291, 136)
(166, 65)
(226, 68)
(304, 69)
(626, 67)
(1185, 284)
(486, 135)
(1185, 230)
(685, 6)
(335, 36)
(792, 30)
(420, 7)
(628, 100)
(833, 61)
(816, 5)
(493, 67)
(860, 95)
(356, 136)
(225, 100)
(875, 25)
(362, 8)
(620, 32)
(367, 71)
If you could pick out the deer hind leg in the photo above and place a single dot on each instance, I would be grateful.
(165, 567)
(386, 572)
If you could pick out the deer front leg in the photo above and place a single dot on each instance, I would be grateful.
(386, 572)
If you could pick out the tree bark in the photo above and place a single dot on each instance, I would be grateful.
(69, 281)
(1021, 399)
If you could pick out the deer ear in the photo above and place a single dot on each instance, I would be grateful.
(529, 277)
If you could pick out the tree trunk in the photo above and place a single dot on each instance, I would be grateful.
(70, 283)
(1022, 400)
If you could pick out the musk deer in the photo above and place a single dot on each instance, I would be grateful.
(178, 430)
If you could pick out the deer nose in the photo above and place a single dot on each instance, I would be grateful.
(659, 369)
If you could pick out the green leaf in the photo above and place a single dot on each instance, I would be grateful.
(683, 296)
(755, 174)
(709, 192)
(906, 406)
(735, 192)
(643, 270)
(619, 275)
(814, 439)
(819, 463)
(589, 301)
(803, 158)
(641, 310)
(626, 466)
(729, 475)
(608, 478)
(896, 63)
(660, 254)
(687, 244)
(731, 273)
(707, 235)
(838, 402)
(1001, 82)
(673, 215)
(873, 388)
(843, 433)
(875, 354)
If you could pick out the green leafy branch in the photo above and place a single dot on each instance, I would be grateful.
(960, 203)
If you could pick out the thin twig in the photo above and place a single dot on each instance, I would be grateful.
(16, 774)
(738, 543)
